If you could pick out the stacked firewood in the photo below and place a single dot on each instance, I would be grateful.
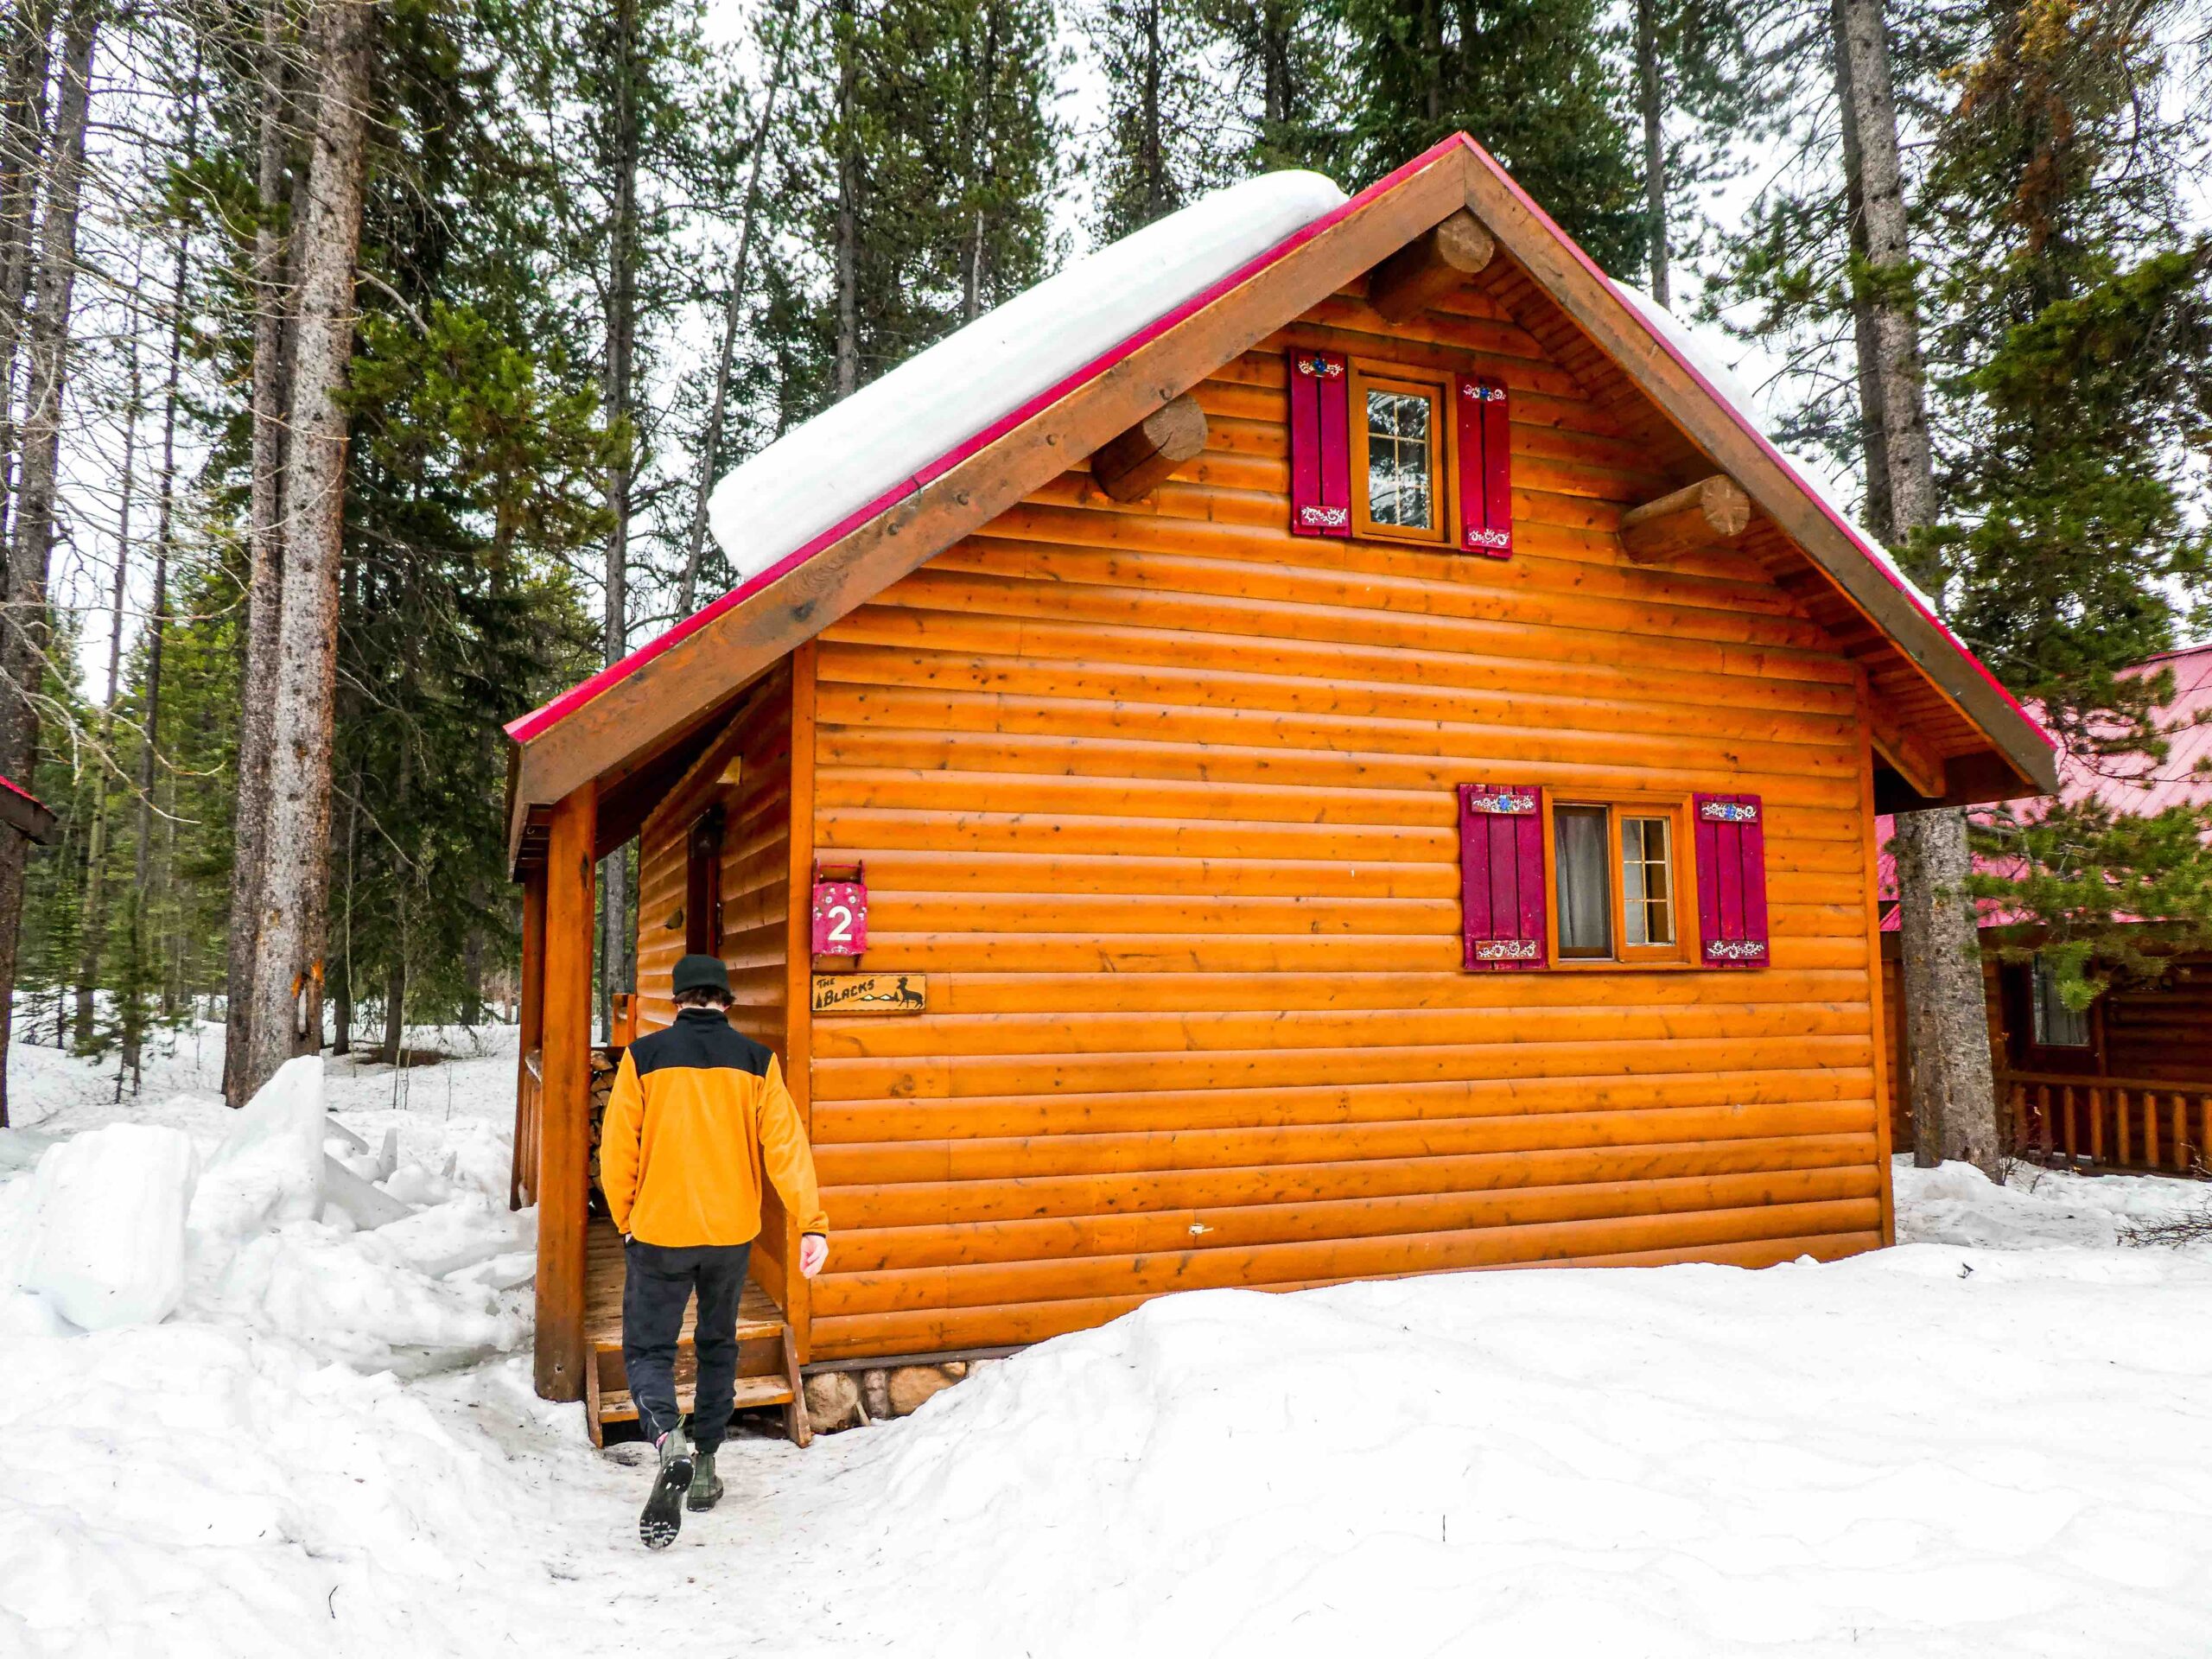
(605, 1062)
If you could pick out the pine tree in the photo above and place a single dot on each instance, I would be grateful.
(2076, 352)
(1282, 57)
(1166, 138)
(1534, 81)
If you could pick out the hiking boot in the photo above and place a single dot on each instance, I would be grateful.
(706, 1485)
(663, 1513)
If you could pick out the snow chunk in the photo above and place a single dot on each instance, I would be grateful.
(852, 452)
(270, 1167)
(1713, 355)
(107, 1231)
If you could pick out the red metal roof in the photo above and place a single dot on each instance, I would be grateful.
(2135, 783)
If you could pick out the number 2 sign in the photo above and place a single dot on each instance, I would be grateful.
(840, 916)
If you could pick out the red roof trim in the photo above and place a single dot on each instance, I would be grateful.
(539, 721)
(1751, 431)
(13, 787)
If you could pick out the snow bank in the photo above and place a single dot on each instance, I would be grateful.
(2037, 1209)
(849, 455)
(1947, 1451)
(269, 1168)
(106, 1230)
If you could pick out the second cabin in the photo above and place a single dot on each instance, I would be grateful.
(1313, 745)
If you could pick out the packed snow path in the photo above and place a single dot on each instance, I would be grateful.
(1992, 1442)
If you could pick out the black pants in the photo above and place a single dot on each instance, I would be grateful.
(656, 1284)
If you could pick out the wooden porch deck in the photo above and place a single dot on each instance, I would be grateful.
(767, 1365)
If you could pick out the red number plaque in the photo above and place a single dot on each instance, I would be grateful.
(840, 917)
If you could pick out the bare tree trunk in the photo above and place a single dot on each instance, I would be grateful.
(264, 626)
(1275, 26)
(93, 941)
(1152, 148)
(977, 150)
(1952, 1091)
(847, 252)
(1947, 1015)
(342, 1036)
(1873, 447)
(287, 1010)
(1887, 276)
(395, 1005)
(1655, 142)
(22, 139)
(134, 1024)
(614, 396)
(733, 315)
(24, 628)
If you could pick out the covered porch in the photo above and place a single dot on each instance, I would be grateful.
(730, 768)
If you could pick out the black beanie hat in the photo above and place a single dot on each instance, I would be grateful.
(700, 974)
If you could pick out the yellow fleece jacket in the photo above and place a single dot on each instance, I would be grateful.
(699, 1112)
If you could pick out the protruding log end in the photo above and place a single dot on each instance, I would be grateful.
(1130, 466)
(1708, 514)
(1424, 271)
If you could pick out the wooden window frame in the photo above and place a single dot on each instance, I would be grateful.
(1680, 955)
(1437, 385)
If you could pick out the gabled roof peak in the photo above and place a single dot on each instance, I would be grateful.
(875, 486)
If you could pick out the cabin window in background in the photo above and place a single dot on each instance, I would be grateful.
(1586, 899)
(1400, 467)
(2055, 1025)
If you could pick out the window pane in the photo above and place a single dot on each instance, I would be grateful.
(1397, 460)
(2055, 1025)
(1647, 887)
(1585, 903)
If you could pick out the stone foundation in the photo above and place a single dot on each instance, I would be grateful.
(839, 1400)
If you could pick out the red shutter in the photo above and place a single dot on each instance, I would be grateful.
(1502, 876)
(1731, 834)
(1321, 445)
(1485, 470)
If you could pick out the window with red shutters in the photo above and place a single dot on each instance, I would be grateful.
(1502, 876)
(1731, 836)
(1485, 469)
(1321, 445)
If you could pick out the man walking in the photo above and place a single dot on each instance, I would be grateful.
(699, 1110)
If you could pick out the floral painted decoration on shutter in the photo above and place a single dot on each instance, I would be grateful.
(1502, 876)
(1485, 470)
(1321, 445)
(1731, 835)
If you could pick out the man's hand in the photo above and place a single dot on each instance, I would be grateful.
(813, 1251)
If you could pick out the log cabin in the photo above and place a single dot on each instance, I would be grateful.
(1316, 744)
(2125, 1083)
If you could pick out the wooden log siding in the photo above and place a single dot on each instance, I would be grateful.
(1160, 796)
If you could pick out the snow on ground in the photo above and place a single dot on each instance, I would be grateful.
(1989, 1441)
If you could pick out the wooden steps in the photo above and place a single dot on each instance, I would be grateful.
(767, 1363)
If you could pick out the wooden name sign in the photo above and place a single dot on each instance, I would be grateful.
(871, 993)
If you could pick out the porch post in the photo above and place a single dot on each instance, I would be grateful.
(530, 1033)
(564, 1103)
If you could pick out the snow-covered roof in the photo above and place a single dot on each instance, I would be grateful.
(872, 443)
(1235, 256)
